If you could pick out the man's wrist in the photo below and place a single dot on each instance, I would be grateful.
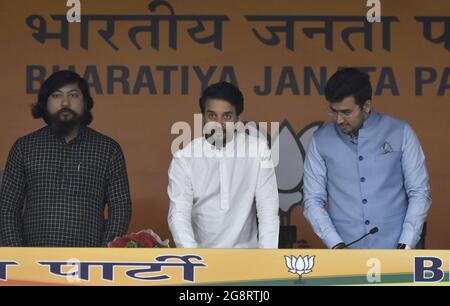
(340, 245)
(403, 246)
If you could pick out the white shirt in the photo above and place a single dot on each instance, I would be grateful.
(212, 195)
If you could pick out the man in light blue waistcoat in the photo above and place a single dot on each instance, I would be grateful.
(370, 170)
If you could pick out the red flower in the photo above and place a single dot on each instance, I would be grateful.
(120, 242)
(142, 239)
(145, 240)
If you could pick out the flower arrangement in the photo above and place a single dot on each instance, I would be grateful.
(142, 239)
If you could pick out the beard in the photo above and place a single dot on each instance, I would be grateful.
(65, 121)
(220, 138)
(218, 135)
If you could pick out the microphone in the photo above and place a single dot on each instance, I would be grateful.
(373, 231)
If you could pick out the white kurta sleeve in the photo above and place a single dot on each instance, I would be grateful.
(267, 203)
(181, 200)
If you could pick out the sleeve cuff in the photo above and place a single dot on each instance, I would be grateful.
(332, 239)
(408, 238)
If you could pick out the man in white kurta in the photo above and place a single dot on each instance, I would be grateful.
(224, 197)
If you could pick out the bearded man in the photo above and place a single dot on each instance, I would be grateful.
(58, 180)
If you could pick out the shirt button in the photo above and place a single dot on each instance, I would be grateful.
(363, 179)
(367, 222)
(361, 158)
(364, 201)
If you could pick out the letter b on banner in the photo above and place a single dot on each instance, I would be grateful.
(428, 270)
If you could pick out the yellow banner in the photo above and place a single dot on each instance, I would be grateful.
(225, 267)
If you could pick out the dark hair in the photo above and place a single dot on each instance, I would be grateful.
(349, 82)
(223, 91)
(56, 81)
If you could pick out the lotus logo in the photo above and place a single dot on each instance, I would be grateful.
(300, 265)
(289, 171)
(289, 149)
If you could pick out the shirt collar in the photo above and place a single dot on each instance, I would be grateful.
(367, 126)
(370, 121)
(81, 135)
(222, 152)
